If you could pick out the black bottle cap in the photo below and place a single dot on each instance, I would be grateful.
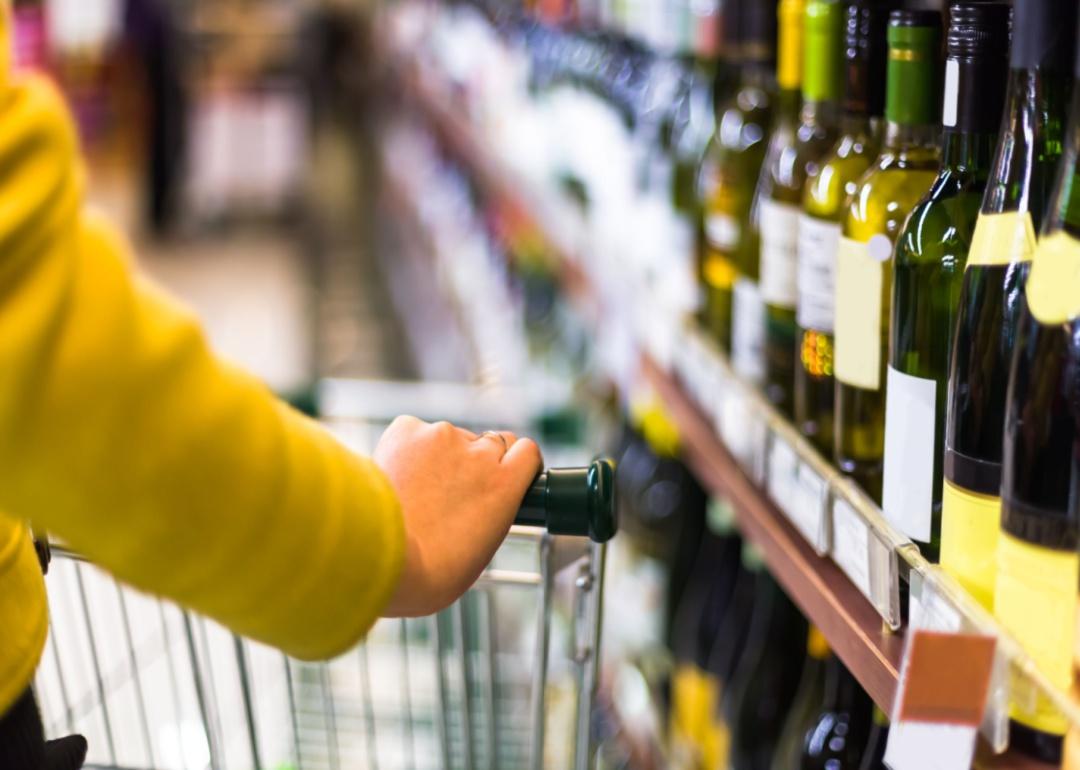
(867, 55)
(757, 24)
(977, 66)
(1044, 34)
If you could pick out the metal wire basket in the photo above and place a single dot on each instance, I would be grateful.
(505, 678)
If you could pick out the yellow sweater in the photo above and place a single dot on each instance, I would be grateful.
(123, 435)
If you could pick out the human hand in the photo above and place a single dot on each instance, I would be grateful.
(459, 493)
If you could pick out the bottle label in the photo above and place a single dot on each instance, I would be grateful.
(1035, 599)
(1001, 239)
(1053, 288)
(907, 495)
(969, 535)
(718, 271)
(818, 242)
(748, 331)
(860, 274)
(779, 252)
(722, 231)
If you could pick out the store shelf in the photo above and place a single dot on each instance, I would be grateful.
(731, 437)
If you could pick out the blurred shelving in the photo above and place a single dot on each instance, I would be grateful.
(863, 624)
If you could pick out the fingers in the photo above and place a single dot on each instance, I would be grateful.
(495, 442)
(523, 460)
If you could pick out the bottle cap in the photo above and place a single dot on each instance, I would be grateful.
(1044, 35)
(822, 61)
(867, 53)
(976, 65)
(789, 59)
(914, 83)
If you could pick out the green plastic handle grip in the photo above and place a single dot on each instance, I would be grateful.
(573, 501)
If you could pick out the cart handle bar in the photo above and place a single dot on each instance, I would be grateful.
(573, 501)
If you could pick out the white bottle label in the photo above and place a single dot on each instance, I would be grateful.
(722, 231)
(748, 331)
(908, 485)
(818, 242)
(779, 252)
(860, 276)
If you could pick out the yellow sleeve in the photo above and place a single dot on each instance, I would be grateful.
(122, 434)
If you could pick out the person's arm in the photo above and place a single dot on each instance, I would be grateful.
(122, 434)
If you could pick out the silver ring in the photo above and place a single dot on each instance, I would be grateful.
(498, 436)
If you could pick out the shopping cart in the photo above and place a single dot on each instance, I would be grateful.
(476, 686)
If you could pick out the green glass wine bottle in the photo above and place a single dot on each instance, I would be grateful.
(874, 753)
(767, 677)
(806, 707)
(824, 206)
(796, 147)
(837, 738)
(928, 269)
(1021, 177)
(732, 163)
(1037, 563)
(885, 195)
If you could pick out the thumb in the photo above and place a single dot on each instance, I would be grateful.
(65, 753)
(523, 462)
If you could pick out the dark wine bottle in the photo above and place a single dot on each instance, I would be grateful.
(928, 269)
(837, 738)
(874, 754)
(806, 707)
(767, 677)
(1037, 564)
(1021, 178)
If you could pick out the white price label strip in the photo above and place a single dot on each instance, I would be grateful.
(851, 545)
(944, 681)
(782, 479)
(808, 511)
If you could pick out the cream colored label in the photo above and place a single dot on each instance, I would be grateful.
(859, 277)
(969, 535)
(1035, 600)
(1053, 288)
(779, 252)
(1002, 238)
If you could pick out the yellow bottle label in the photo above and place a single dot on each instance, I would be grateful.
(1053, 289)
(1002, 238)
(859, 280)
(1035, 599)
(718, 271)
(1071, 757)
(816, 645)
(718, 747)
(969, 535)
(696, 736)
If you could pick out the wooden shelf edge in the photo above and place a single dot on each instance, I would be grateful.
(851, 625)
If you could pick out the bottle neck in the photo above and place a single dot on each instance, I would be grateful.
(825, 112)
(903, 136)
(856, 124)
(1031, 144)
(788, 103)
(1064, 212)
(968, 152)
(757, 74)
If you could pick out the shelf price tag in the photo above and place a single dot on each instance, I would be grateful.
(809, 509)
(944, 681)
(851, 545)
(782, 478)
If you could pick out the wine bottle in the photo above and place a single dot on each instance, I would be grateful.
(727, 648)
(837, 738)
(731, 166)
(874, 754)
(884, 196)
(768, 675)
(799, 141)
(1038, 567)
(1021, 176)
(928, 269)
(824, 207)
(807, 704)
(694, 690)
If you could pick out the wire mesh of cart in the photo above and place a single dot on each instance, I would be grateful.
(504, 678)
